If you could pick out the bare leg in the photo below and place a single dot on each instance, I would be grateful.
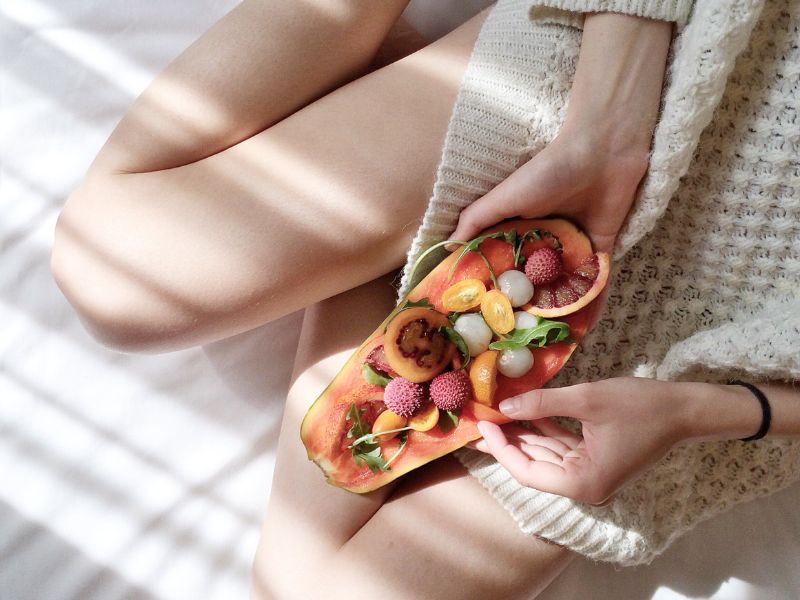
(438, 534)
(321, 201)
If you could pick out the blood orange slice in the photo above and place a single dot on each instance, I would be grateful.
(573, 289)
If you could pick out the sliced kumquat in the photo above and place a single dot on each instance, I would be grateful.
(483, 376)
(426, 418)
(387, 421)
(497, 311)
(464, 295)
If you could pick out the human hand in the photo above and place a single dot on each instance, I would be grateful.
(570, 177)
(628, 424)
(591, 170)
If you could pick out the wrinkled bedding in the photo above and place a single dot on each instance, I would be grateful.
(146, 476)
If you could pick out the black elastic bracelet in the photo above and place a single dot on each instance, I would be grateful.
(766, 412)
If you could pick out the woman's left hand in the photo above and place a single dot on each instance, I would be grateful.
(628, 424)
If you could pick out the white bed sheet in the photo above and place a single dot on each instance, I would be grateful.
(146, 476)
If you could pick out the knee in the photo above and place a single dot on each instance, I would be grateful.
(115, 307)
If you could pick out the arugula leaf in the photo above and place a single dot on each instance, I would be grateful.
(372, 458)
(364, 453)
(472, 246)
(453, 316)
(448, 420)
(403, 442)
(425, 254)
(372, 376)
(421, 303)
(542, 334)
(456, 338)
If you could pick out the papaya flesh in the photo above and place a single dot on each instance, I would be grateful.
(324, 430)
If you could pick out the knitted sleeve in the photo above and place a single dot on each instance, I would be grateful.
(663, 10)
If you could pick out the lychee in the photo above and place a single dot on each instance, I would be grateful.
(451, 390)
(543, 266)
(404, 397)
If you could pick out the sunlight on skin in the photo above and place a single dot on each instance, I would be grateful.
(439, 525)
(258, 204)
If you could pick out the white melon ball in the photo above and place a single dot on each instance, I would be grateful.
(525, 320)
(516, 285)
(475, 331)
(515, 363)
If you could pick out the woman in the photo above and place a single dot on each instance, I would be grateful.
(324, 189)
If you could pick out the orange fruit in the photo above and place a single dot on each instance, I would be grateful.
(463, 295)
(387, 421)
(426, 419)
(483, 376)
(571, 290)
(497, 311)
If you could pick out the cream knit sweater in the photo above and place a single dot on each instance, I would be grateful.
(706, 277)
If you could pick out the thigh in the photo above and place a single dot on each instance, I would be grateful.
(322, 201)
(436, 534)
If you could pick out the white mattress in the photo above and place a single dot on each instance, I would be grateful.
(146, 476)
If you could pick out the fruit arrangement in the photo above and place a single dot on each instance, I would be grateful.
(498, 317)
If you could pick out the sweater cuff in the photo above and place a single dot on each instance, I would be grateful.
(562, 11)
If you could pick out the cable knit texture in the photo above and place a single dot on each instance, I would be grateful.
(707, 267)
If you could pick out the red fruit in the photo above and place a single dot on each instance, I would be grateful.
(571, 290)
(450, 391)
(543, 266)
(403, 397)
(377, 360)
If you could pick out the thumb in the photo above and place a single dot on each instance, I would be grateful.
(538, 404)
(516, 196)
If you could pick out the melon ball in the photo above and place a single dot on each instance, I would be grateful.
(475, 331)
(515, 363)
(516, 285)
(525, 320)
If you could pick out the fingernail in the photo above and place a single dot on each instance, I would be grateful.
(509, 407)
(482, 446)
(482, 427)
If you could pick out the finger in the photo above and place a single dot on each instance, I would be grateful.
(541, 453)
(542, 475)
(510, 198)
(553, 430)
(536, 404)
(526, 436)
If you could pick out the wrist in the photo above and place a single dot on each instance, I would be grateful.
(719, 412)
(617, 87)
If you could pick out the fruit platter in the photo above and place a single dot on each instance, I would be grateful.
(498, 317)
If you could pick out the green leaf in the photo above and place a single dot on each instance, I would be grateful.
(358, 428)
(403, 442)
(374, 377)
(546, 332)
(453, 316)
(425, 254)
(364, 452)
(448, 420)
(372, 458)
(421, 303)
(456, 338)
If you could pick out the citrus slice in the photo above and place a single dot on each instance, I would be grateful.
(572, 289)
(463, 295)
(497, 311)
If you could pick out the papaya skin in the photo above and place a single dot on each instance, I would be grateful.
(324, 429)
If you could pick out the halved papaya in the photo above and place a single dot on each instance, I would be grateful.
(350, 405)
